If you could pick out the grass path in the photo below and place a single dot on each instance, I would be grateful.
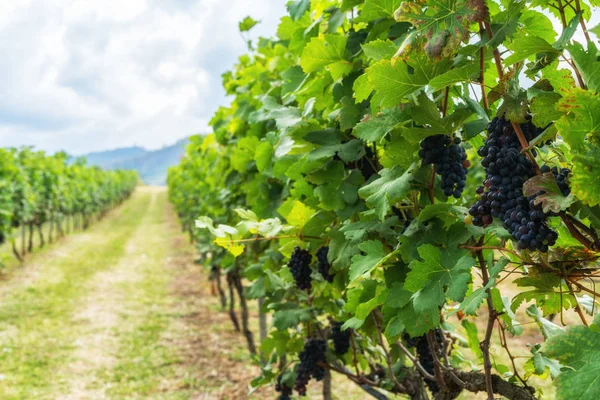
(121, 311)
(118, 312)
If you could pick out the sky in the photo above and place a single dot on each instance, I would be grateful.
(89, 75)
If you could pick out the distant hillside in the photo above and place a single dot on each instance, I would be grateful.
(151, 165)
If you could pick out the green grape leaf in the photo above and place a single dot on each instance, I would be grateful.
(543, 108)
(391, 187)
(375, 128)
(380, 49)
(514, 105)
(552, 199)
(549, 293)
(472, 337)
(418, 323)
(299, 214)
(374, 256)
(548, 328)
(434, 277)
(398, 296)
(587, 64)
(326, 52)
(466, 73)
(524, 47)
(537, 24)
(473, 301)
(362, 88)
(449, 214)
(375, 9)
(394, 81)
(297, 8)
(580, 129)
(577, 350)
(247, 23)
(290, 317)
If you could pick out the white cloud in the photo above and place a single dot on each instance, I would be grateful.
(85, 75)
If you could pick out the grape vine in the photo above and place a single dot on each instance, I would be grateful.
(440, 162)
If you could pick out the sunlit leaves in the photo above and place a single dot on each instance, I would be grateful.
(577, 349)
(436, 277)
(392, 186)
(247, 23)
(326, 52)
(580, 128)
(548, 292)
(374, 128)
(442, 24)
(394, 81)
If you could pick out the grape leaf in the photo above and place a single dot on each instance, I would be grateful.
(375, 128)
(524, 47)
(379, 49)
(462, 74)
(374, 9)
(326, 52)
(473, 301)
(434, 277)
(362, 88)
(374, 256)
(587, 63)
(442, 24)
(247, 23)
(552, 199)
(577, 349)
(549, 293)
(299, 214)
(392, 186)
(394, 81)
(580, 129)
(290, 316)
(548, 328)
(297, 8)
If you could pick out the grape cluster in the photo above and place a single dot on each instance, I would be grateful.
(449, 160)
(425, 357)
(299, 265)
(323, 263)
(501, 195)
(311, 356)
(285, 390)
(561, 177)
(341, 339)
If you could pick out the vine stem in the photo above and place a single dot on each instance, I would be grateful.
(582, 21)
(432, 185)
(581, 287)
(388, 357)
(485, 344)
(354, 359)
(563, 20)
(258, 239)
(415, 362)
(437, 365)
(484, 98)
(479, 248)
(577, 306)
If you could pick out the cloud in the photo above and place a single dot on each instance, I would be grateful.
(85, 75)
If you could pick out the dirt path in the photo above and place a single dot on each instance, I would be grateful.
(118, 312)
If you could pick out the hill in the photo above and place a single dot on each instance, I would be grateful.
(151, 165)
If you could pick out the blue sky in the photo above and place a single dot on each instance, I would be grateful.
(87, 75)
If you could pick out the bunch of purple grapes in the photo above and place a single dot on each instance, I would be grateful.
(501, 195)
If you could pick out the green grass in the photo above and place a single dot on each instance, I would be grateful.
(38, 309)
